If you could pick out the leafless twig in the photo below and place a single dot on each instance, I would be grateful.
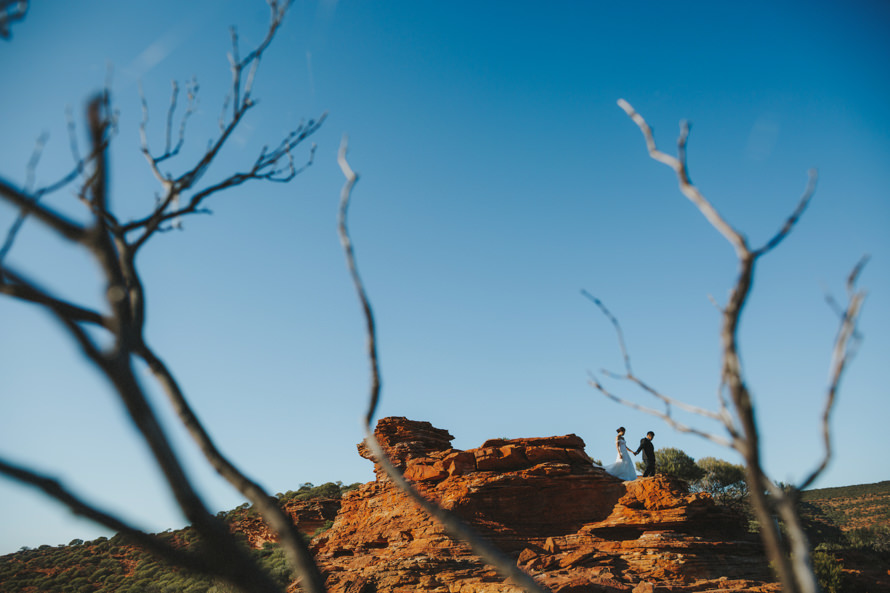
(271, 165)
(28, 198)
(120, 336)
(668, 402)
(56, 490)
(846, 343)
(291, 540)
(456, 528)
(114, 357)
(10, 12)
(790, 556)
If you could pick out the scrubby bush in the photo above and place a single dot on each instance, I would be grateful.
(675, 462)
(876, 539)
(724, 481)
(308, 491)
(829, 571)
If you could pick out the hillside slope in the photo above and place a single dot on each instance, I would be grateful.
(850, 507)
(575, 528)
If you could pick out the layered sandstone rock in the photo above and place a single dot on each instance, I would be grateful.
(565, 521)
(307, 515)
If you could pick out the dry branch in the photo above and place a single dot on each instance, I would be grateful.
(788, 551)
(10, 12)
(124, 324)
(119, 341)
(456, 528)
(56, 490)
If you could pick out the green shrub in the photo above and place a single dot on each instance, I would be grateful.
(726, 484)
(327, 525)
(308, 491)
(675, 462)
(829, 571)
(876, 539)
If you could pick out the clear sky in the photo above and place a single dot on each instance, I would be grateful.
(498, 179)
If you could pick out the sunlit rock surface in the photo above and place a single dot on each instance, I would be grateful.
(564, 520)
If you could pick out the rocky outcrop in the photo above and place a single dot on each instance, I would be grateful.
(573, 527)
(308, 515)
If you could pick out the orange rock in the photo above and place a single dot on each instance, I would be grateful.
(458, 463)
(502, 458)
(541, 500)
(422, 472)
(307, 515)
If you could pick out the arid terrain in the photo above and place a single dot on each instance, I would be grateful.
(562, 519)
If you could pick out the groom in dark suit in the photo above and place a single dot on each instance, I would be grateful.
(648, 454)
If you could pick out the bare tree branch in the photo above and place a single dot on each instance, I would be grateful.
(34, 161)
(846, 344)
(59, 223)
(630, 376)
(18, 287)
(10, 12)
(456, 528)
(664, 416)
(789, 553)
(679, 167)
(28, 198)
(54, 489)
(241, 96)
(29, 189)
(290, 538)
(276, 165)
(795, 216)
(367, 311)
(232, 564)
(125, 299)
(106, 240)
(265, 168)
(616, 325)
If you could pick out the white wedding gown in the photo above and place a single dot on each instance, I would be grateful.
(624, 466)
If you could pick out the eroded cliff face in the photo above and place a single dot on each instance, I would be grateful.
(565, 521)
(308, 516)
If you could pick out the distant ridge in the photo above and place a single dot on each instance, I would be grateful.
(818, 493)
(849, 507)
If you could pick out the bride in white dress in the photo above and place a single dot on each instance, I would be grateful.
(623, 467)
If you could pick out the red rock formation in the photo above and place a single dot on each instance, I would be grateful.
(568, 523)
(307, 515)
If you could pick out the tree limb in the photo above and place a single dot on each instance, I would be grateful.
(28, 206)
(679, 167)
(276, 165)
(54, 489)
(290, 538)
(18, 287)
(790, 557)
(456, 528)
(10, 12)
(845, 345)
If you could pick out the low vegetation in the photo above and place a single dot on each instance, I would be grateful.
(106, 565)
(846, 526)
(842, 523)
(113, 565)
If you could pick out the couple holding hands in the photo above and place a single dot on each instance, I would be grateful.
(624, 467)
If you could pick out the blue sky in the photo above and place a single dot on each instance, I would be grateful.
(498, 179)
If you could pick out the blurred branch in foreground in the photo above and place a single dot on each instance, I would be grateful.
(10, 12)
(456, 528)
(789, 551)
(111, 335)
